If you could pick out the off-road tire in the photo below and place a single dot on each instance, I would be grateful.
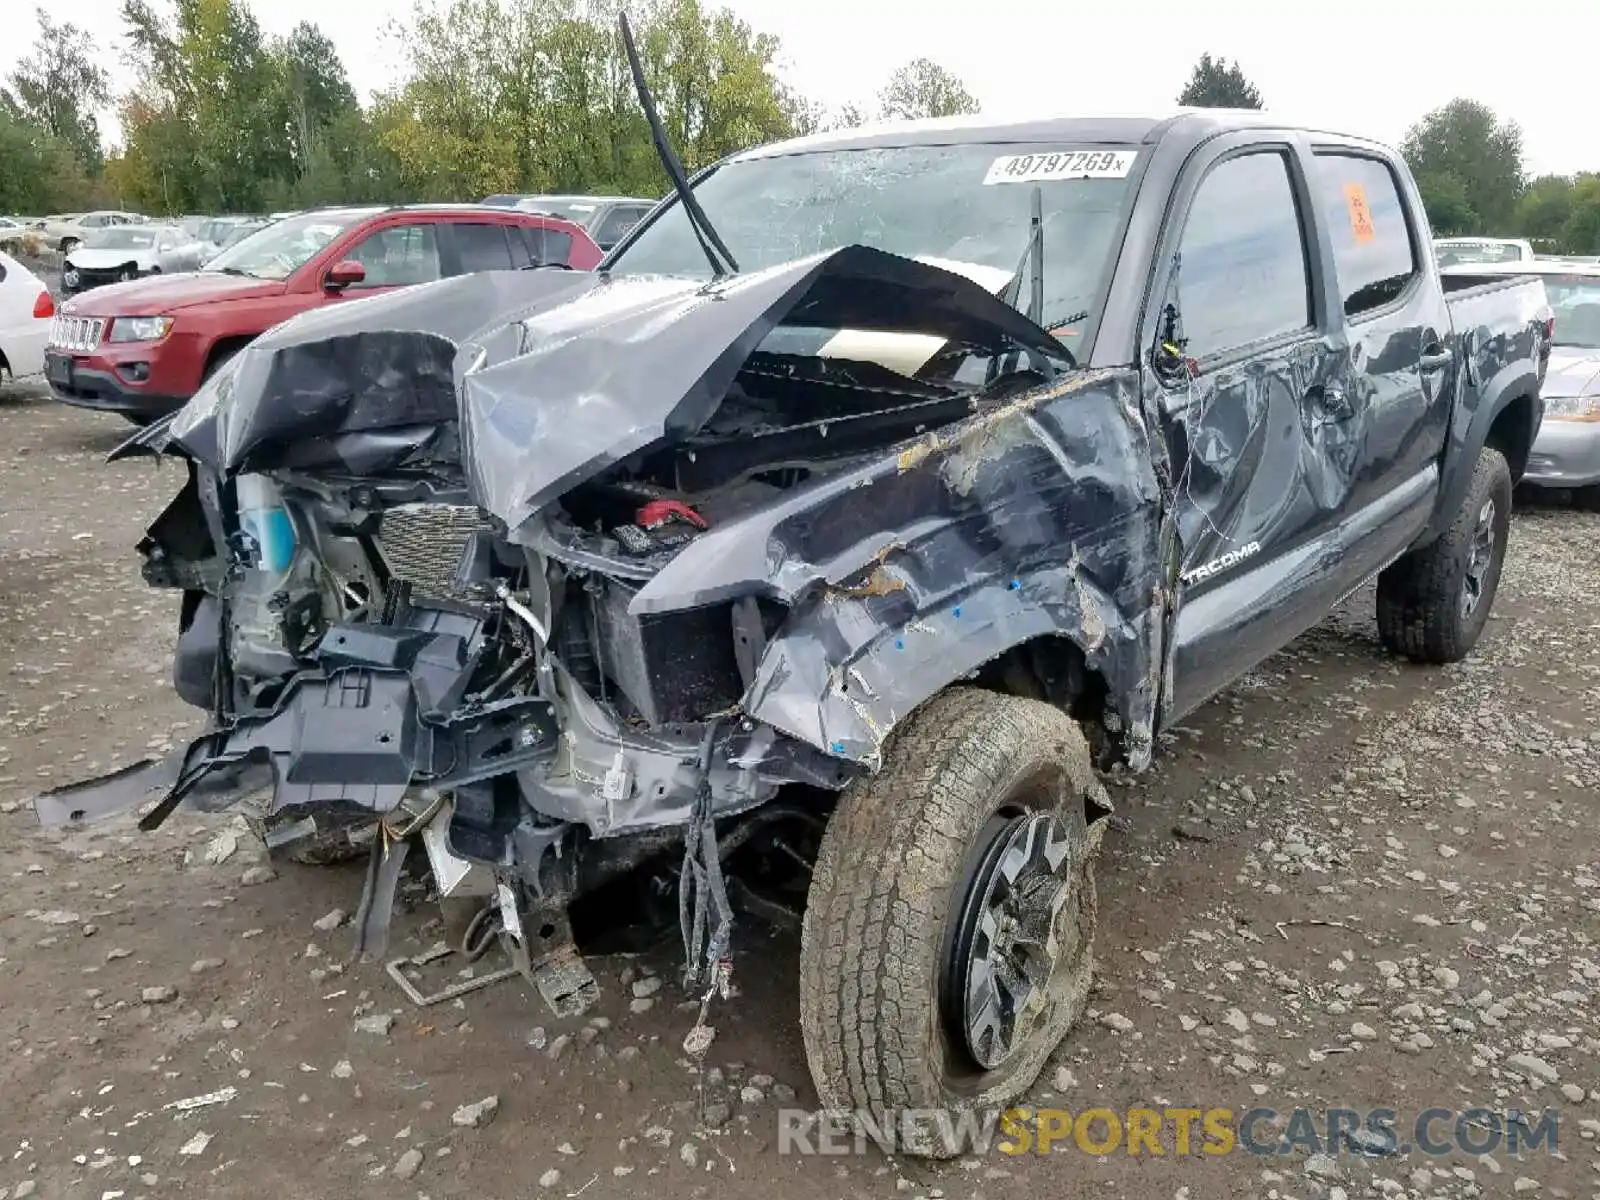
(885, 885)
(1420, 595)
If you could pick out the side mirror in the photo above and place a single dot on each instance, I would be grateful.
(343, 274)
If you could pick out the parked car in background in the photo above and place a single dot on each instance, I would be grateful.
(25, 311)
(12, 232)
(1567, 451)
(65, 232)
(235, 234)
(120, 253)
(1451, 251)
(607, 218)
(142, 348)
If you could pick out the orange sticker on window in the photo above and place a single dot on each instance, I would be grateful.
(1355, 200)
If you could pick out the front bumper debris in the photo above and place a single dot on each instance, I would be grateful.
(352, 733)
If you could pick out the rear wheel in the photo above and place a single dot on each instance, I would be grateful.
(1434, 602)
(947, 945)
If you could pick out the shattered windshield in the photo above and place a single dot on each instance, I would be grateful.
(283, 247)
(966, 204)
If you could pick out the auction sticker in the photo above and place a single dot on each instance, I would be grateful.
(1355, 202)
(1061, 164)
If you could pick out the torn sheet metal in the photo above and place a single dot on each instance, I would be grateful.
(383, 367)
(946, 522)
(1040, 517)
(641, 359)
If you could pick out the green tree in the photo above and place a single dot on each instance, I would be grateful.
(1544, 207)
(38, 171)
(1580, 232)
(535, 95)
(1218, 83)
(208, 111)
(1444, 198)
(60, 88)
(1464, 139)
(923, 88)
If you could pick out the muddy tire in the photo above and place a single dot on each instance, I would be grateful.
(907, 917)
(1434, 602)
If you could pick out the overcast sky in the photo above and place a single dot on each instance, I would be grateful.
(1369, 67)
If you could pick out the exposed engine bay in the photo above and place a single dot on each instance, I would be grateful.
(582, 570)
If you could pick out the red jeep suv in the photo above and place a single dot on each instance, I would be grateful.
(141, 349)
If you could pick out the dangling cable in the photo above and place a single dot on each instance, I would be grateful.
(704, 915)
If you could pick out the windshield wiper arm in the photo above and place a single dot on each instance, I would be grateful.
(698, 222)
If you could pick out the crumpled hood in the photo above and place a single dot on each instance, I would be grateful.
(1573, 371)
(556, 375)
(639, 359)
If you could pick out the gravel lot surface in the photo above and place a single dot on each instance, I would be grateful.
(1349, 882)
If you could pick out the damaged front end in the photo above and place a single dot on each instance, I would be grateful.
(578, 571)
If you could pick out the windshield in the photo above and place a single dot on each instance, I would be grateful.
(967, 204)
(285, 246)
(1576, 301)
(120, 237)
(1452, 253)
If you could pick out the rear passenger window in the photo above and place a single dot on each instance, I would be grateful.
(548, 245)
(617, 222)
(482, 248)
(1372, 245)
(1242, 275)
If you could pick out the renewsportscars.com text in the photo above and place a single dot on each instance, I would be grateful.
(1180, 1132)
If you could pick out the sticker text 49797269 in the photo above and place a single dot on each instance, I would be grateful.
(1061, 164)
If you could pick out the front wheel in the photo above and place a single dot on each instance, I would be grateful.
(1434, 602)
(947, 946)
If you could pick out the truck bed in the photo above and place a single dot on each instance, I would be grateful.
(1497, 318)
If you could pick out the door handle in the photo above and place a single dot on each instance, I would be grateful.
(1434, 360)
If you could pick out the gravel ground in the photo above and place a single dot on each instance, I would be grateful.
(1348, 882)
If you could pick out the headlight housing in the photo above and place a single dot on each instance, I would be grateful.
(139, 329)
(1572, 408)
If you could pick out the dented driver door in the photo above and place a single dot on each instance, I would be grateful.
(1238, 293)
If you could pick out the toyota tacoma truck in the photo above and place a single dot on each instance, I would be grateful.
(810, 555)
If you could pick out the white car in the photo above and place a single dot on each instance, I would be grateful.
(129, 252)
(12, 232)
(1456, 251)
(66, 230)
(25, 312)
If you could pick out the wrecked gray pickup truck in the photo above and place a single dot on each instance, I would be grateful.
(812, 552)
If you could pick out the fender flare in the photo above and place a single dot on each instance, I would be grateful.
(1475, 415)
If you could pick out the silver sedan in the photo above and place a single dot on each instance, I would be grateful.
(129, 252)
(1566, 453)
